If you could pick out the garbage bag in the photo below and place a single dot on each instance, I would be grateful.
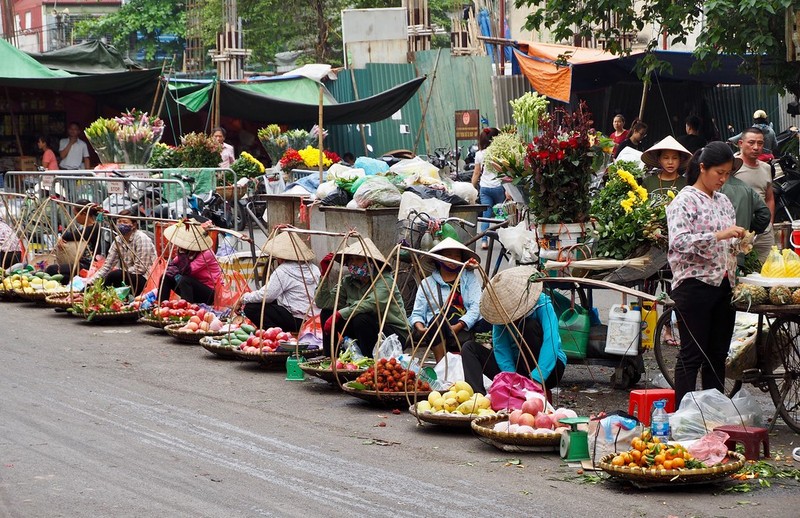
(371, 166)
(377, 191)
(337, 198)
(344, 177)
(427, 192)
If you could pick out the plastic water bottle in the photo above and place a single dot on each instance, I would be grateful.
(659, 421)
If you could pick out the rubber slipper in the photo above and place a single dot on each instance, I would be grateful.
(484, 246)
(672, 342)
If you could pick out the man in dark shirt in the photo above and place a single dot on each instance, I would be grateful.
(693, 141)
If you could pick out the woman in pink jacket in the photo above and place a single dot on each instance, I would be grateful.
(194, 272)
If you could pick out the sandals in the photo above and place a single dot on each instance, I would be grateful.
(671, 341)
(484, 245)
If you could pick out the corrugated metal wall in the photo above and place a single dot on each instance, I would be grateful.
(505, 89)
(461, 83)
(733, 106)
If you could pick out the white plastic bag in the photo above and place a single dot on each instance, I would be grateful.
(377, 191)
(612, 434)
(389, 348)
(417, 166)
(520, 242)
(466, 191)
(325, 188)
(409, 201)
(450, 368)
(702, 411)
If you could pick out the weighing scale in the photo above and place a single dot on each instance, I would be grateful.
(293, 370)
(574, 442)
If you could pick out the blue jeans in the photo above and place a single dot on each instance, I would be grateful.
(491, 196)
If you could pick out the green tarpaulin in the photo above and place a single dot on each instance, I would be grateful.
(15, 64)
(91, 57)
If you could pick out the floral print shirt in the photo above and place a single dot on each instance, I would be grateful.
(693, 218)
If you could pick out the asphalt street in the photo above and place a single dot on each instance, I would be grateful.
(123, 421)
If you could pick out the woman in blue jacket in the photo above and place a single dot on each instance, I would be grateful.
(444, 294)
(516, 297)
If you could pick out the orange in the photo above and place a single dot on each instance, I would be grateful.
(678, 463)
(636, 455)
(633, 465)
(618, 460)
(667, 464)
(659, 459)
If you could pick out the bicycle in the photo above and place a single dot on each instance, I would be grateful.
(777, 368)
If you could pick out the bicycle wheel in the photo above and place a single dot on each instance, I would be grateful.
(666, 346)
(783, 376)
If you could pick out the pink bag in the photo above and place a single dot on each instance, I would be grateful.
(508, 390)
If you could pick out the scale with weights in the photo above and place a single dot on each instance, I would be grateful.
(574, 442)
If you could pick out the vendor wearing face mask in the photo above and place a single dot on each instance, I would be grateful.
(451, 294)
(194, 271)
(130, 258)
(362, 279)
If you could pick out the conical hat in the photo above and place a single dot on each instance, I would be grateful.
(448, 244)
(650, 157)
(510, 295)
(368, 250)
(189, 235)
(288, 246)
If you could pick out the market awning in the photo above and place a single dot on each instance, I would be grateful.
(18, 65)
(91, 57)
(295, 101)
(558, 70)
(549, 67)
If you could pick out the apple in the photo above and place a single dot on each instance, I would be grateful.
(527, 419)
(201, 313)
(209, 317)
(192, 326)
(193, 320)
(542, 420)
(514, 417)
(204, 326)
(533, 406)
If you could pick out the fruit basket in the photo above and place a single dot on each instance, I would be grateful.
(484, 428)
(61, 301)
(213, 345)
(316, 368)
(443, 418)
(159, 323)
(393, 399)
(189, 337)
(268, 360)
(673, 477)
(106, 317)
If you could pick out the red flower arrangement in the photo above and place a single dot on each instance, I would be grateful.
(333, 157)
(291, 159)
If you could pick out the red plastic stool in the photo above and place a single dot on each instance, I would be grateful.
(641, 402)
(751, 436)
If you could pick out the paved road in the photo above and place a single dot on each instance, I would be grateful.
(109, 421)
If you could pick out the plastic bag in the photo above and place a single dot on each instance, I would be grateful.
(416, 166)
(508, 390)
(410, 201)
(520, 242)
(336, 198)
(389, 348)
(711, 448)
(702, 411)
(311, 332)
(275, 184)
(230, 288)
(344, 177)
(791, 263)
(371, 166)
(774, 265)
(377, 191)
(450, 368)
(612, 433)
(466, 191)
(427, 192)
(325, 189)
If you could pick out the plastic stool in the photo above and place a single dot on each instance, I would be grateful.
(751, 436)
(641, 402)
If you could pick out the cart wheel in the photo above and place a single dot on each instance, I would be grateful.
(783, 373)
(666, 345)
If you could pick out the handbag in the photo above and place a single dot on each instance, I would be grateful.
(508, 390)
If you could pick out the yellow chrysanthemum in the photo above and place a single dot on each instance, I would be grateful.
(627, 205)
(671, 194)
(625, 175)
(310, 156)
(642, 192)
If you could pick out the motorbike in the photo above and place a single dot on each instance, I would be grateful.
(786, 187)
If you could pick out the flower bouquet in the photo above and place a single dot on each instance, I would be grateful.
(527, 111)
(291, 159)
(310, 156)
(102, 135)
(199, 150)
(137, 135)
(299, 138)
(558, 167)
(629, 221)
(164, 157)
(246, 166)
(274, 141)
(505, 154)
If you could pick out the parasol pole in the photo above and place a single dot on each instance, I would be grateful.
(645, 83)
(319, 135)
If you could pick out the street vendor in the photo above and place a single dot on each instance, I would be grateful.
(194, 271)
(520, 312)
(368, 277)
(226, 150)
(703, 238)
(452, 292)
(130, 257)
(78, 244)
(287, 298)
(668, 158)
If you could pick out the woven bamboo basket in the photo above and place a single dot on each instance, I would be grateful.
(212, 345)
(190, 337)
(449, 420)
(111, 317)
(673, 477)
(484, 428)
(390, 399)
(231, 193)
(313, 368)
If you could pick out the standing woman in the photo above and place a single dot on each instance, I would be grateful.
(702, 254)
(637, 133)
(486, 181)
(620, 133)
(49, 161)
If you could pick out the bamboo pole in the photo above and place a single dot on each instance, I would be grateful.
(645, 84)
(319, 134)
(14, 125)
(360, 126)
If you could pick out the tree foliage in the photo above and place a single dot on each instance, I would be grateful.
(139, 26)
(752, 29)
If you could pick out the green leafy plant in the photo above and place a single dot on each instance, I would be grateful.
(164, 157)
(628, 220)
(246, 166)
(199, 150)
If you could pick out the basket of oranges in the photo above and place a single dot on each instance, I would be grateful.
(652, 462)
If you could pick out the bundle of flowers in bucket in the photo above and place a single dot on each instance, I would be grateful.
(137, 135)
(246, 166)
(102, 135)
(198, 150)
